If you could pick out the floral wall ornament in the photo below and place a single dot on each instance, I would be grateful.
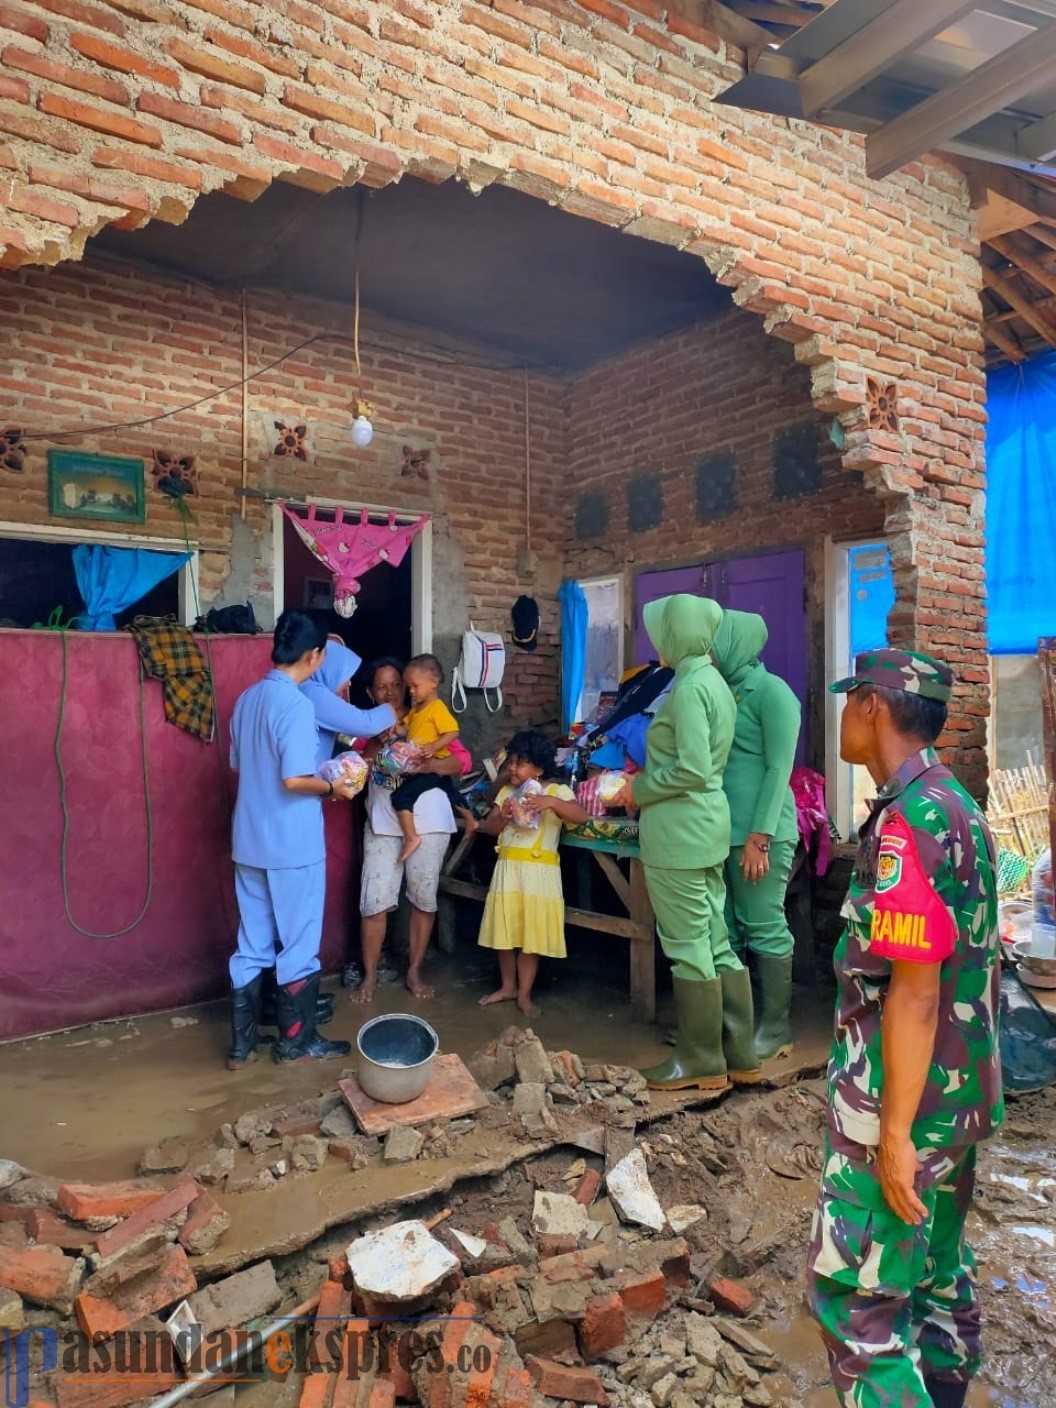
(13, 451)
(881, 407)
(291, 441)
(175, 476)
(415, 463)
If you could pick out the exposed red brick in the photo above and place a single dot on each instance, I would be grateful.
(50, 1230)
(203, 59)
(294, 1126)
(603, 1326)
(642, 1295)
(103, 1316)
(17, 89)
(94, 16)
(161, 1210)
(124, 60)
(383, 1394)
(15, 19)
(83, 1201)
(311, 104)
(357, 1360)
(319, 1385)
(186, 116)
(110, 1389)
(587, 1187)
(112, 123)
(574, 1382)
(316, 172)
(731, 1296)
(65, 76)
(40, 1274)
(155, 168)
(578, 1265)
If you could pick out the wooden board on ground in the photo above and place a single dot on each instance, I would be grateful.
(451, 1093)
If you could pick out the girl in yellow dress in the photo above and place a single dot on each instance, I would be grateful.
(524, 918)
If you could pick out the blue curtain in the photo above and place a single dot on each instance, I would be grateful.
(574, 617)
(872, 592)
(112, 579)
(1021, 504)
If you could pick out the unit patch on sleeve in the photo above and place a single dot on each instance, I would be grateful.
(910, 921)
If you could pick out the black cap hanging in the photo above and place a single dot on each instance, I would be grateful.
(525, 615)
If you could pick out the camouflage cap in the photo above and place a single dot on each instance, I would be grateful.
(906, 670)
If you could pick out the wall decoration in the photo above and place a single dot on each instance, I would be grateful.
(881, 407)
(350, 548)
(716, 486)
(592, 514)
(12, 451)
(175, 476)
(318, 594)
(796, 462)
(291, 441)
(645, 502)
(103, 487)
(415, 463)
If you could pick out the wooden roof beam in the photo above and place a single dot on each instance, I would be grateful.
(1026, 262)
(961, 104)
(993, 280)
(901, 26)
(1003, 341)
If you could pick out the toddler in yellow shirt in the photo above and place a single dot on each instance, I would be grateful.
(433, 729)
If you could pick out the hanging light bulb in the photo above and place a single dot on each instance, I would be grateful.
(361, 431)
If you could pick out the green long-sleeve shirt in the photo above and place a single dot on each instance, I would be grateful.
(756, 780)
(685, 818)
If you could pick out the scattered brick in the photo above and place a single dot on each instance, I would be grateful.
(42, 1275)
(147, 1220)
(587, 1187)
(47, 1228)
(642, 1295)
(731, 1296)
(170, 1280)
(206, 1224)
(85, 1202)
(603, 1326)
(575, 1382)
(333, 1306)
(580, 1265)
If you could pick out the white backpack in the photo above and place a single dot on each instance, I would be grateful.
(480, 666)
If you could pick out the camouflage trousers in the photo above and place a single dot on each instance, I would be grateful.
(896, 1304)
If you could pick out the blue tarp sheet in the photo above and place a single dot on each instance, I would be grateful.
(1021, 505)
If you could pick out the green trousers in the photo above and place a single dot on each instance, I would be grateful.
(895, 1303)
(755, 914)
(690, 920)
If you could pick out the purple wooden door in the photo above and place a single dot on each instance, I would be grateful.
(650, 586)
(772, 585)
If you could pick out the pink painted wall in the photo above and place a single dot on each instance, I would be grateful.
(53, 977)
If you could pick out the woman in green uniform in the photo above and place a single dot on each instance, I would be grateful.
(685, 839)
(763, 829)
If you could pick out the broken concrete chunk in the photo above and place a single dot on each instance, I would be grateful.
(309, 1153)
(206, 1224)
(36, 1191)
(474, 1247)
(758, 1396)
(685, 1215)
(250, 1125)
(532, 1062)
(401, 1263)
(339, 1124)
(10, 1172)
(559, 1215)
(618, 1144)
(530, 1106)
(743, 1339)
(216, 1169)
(494, 1066)
(663, 1390)
(170, 1156)
(655, 1368)
(236, 1300)
(632, 1194)
(403, 1144)
(703, 1340)
(12, 1314)
(520, 1249)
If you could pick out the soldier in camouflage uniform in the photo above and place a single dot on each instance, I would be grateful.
(914, 1076)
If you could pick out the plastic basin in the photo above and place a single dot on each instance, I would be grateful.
(396, 1055)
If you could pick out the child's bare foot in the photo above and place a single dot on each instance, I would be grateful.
(365, 991)
(409, 847)
(527, 1006)
(415, 986)
(499, 995)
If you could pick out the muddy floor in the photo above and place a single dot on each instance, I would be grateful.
(85, 1104)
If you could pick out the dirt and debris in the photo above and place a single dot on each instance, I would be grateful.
(614, 1248)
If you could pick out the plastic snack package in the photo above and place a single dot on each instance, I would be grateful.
(521, 815)
(609, 786)
(347, 767)
(397, 758)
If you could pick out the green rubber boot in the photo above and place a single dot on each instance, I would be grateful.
(774, 1035)
(697, 1062)
(738, 1026)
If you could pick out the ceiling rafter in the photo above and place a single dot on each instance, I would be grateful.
(1026, 310)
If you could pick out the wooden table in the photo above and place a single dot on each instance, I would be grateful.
(634, 922)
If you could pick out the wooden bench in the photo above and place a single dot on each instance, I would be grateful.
(634, 922)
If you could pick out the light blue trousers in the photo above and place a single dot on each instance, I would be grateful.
(282, 922)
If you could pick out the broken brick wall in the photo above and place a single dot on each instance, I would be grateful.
(105, 342)
(700, 424)
(126, 111)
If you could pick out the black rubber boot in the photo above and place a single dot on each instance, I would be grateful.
(738, 1027)
(697, 1061)
(297, 1006)
(773, 1036)
(324, 1011)
(245, 1014)
(944, 1393)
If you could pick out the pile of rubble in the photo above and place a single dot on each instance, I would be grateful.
(587, 1290)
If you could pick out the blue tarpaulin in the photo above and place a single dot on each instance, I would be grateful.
(1021, 505)
(112, 579)
(574, 619)
(872, 592)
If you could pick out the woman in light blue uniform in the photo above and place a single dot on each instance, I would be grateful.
(278, 847)
(328, 691)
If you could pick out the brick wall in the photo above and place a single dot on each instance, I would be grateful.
(720, 388)
(101, 342)
(118, 111)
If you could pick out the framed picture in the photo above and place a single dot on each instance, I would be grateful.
(100, 487)
(318, 593)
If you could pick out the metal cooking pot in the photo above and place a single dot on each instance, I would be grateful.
(396, 1055)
